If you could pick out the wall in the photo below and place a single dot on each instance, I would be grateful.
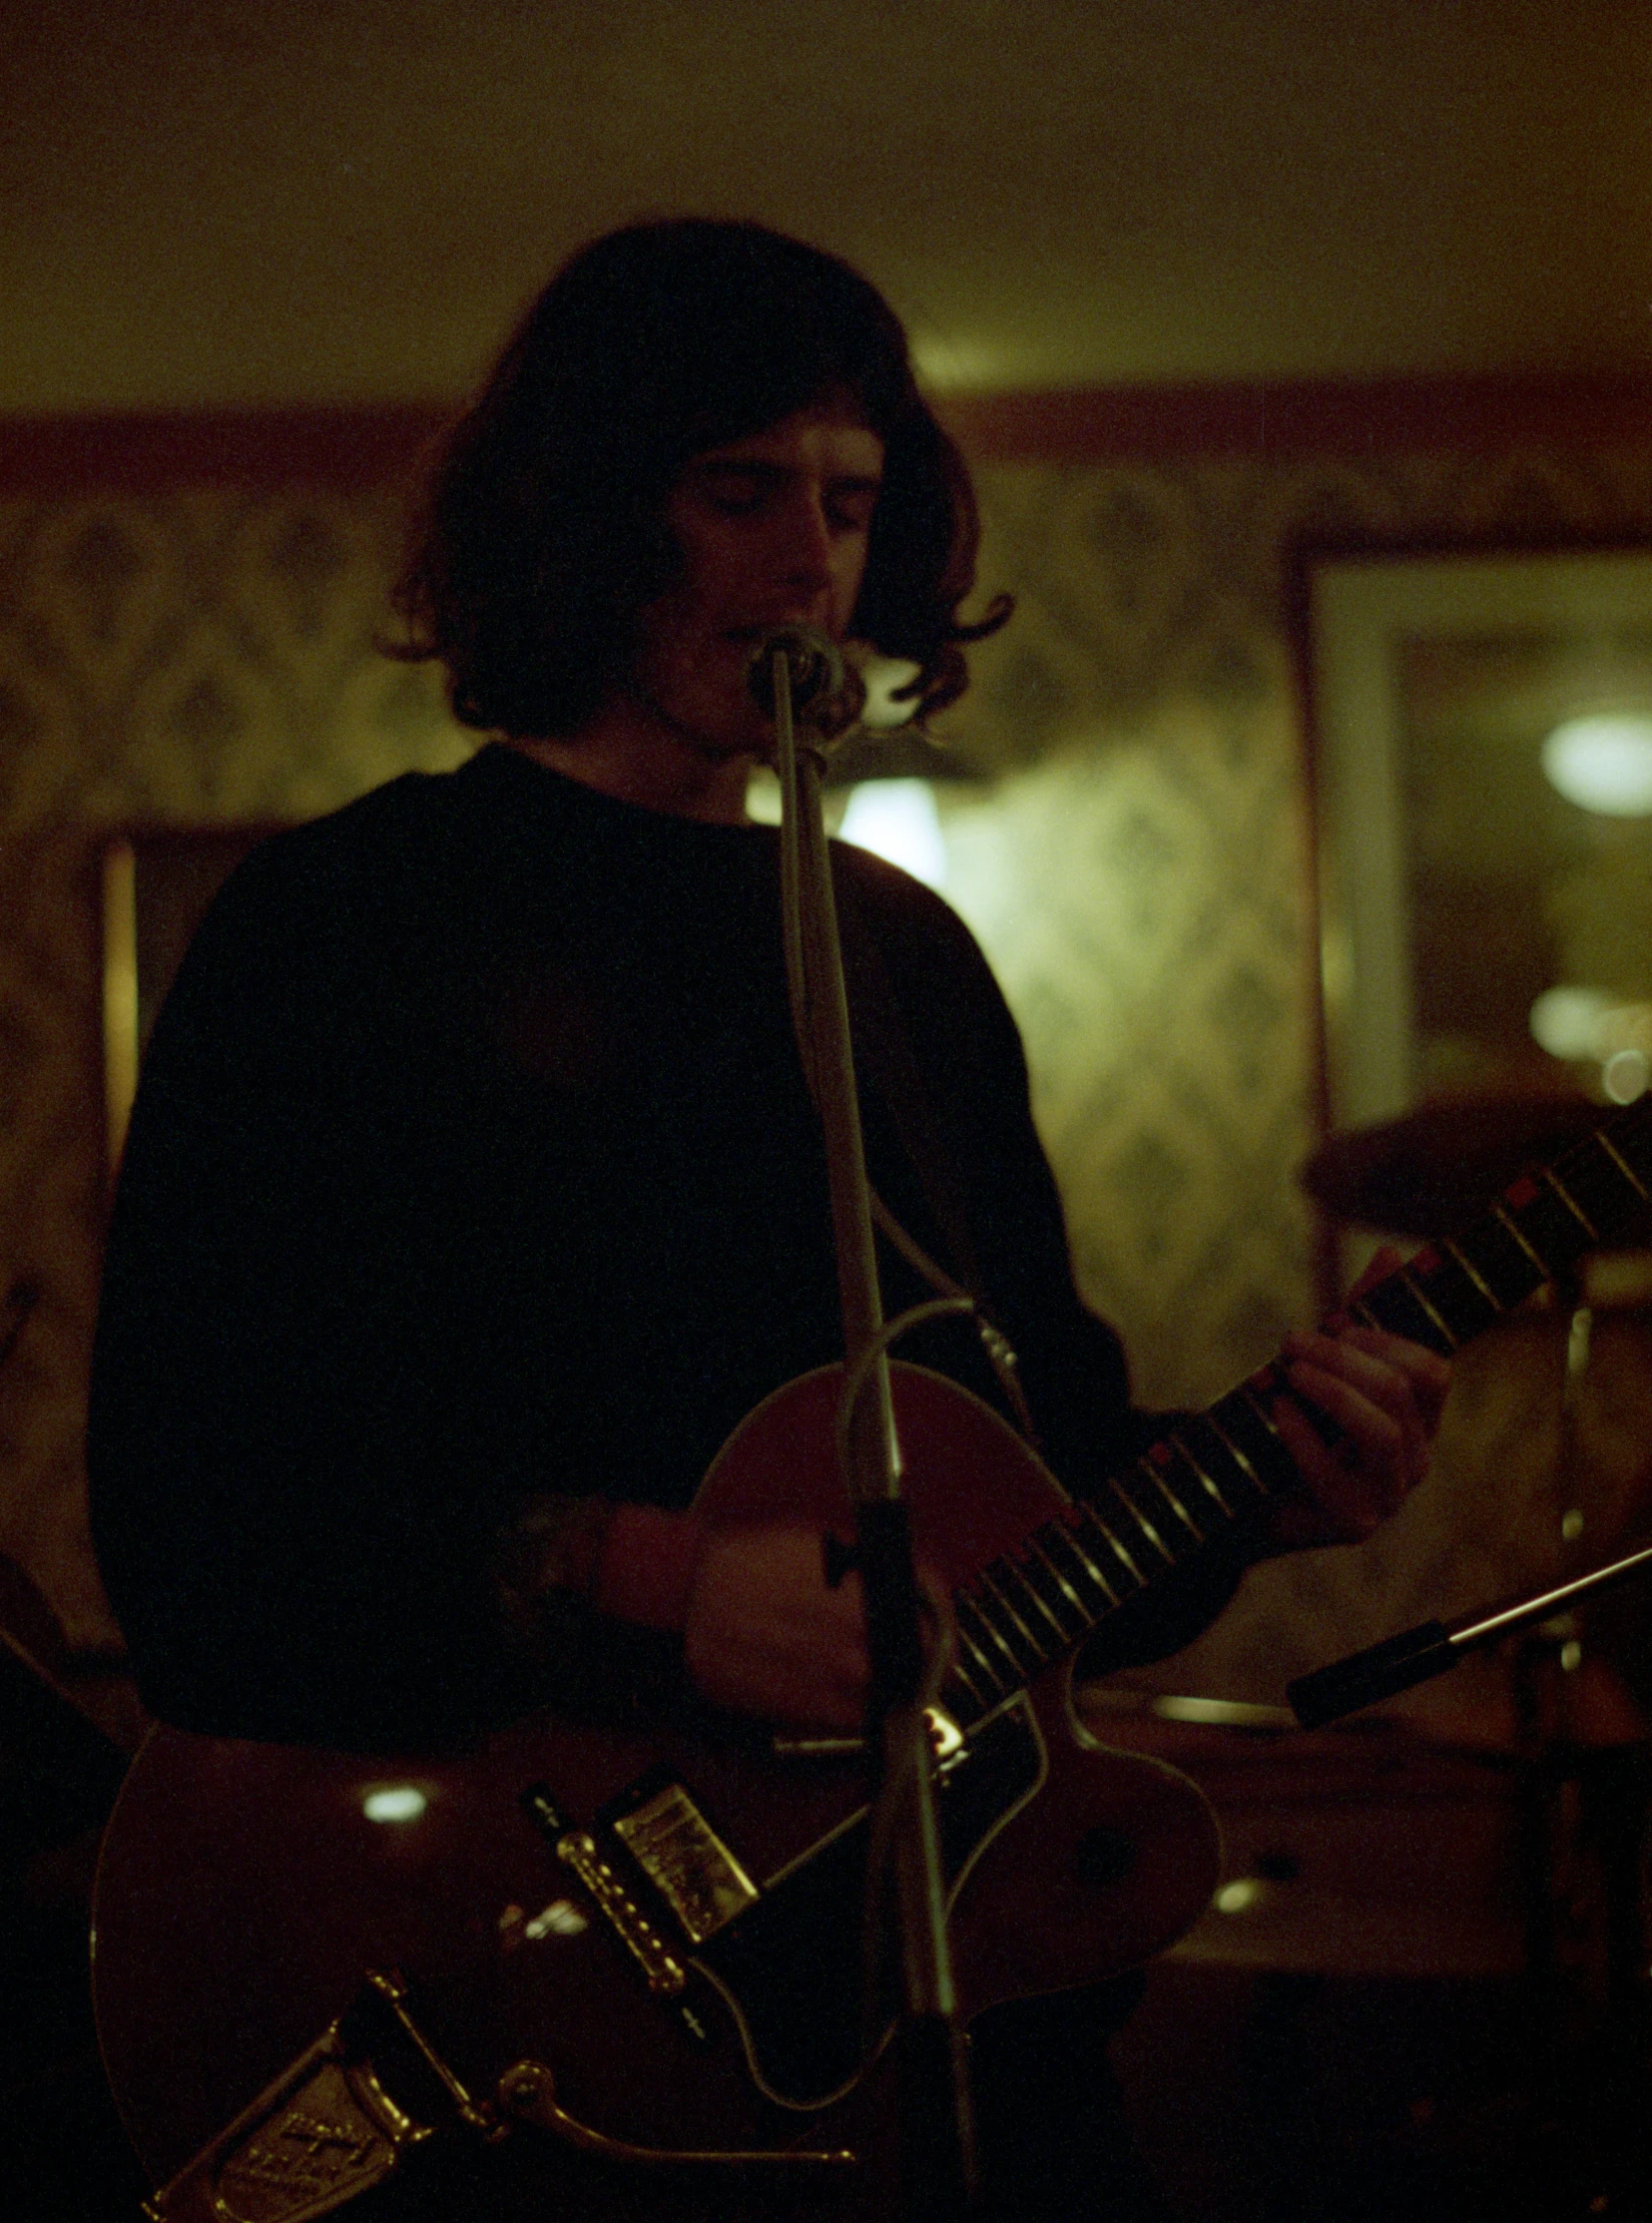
(175, 648)
(186, 625)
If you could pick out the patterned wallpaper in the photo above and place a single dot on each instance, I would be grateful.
(1131, 848)
(1138, 868)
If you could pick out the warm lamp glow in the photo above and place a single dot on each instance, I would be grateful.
(1589, 1025)
(1625, 1074)
(1603, 763)
(1566, 1021)
(897, 819)
(394, 1802)
(882, 677)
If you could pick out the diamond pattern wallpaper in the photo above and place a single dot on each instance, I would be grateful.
(1128, 838)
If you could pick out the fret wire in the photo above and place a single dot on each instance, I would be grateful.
(1262, 1412)
(1454, 1297)
(990, 1622)
(986, 1664)
(1096, 1521)
(1036, 1648)
(1439, 1275)
(1037, 1597)
(1091, 1569)
(1275, 1442)
(1622, 1165)
(1059, 1531)
(1572, 1206)
(1554, 1227)
(992, 1630)
(1171, 1499)
(1596, 1182)
(1221, 1502)
(956, 1667)
(1505, 1219)
(995, 1681)
(1067, 1589)
(958, 1697)
(1142, 1522)
(1494, 1244)
(1484, 1288)
(1233, 1449)
(1383, 1307)
(1409, 1279)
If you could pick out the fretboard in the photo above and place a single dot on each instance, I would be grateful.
(1030, 1608)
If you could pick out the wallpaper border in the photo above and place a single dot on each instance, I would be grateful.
(351, 447)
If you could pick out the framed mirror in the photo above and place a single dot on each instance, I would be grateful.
(1481, 755)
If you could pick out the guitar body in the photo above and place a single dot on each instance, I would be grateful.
(245, 1890)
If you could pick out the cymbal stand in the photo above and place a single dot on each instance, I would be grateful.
(1585, 1781)
(1576, 1793)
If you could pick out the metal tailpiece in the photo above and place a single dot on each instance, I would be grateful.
(327, 2129)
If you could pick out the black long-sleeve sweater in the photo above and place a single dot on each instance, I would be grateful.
(472, 1165)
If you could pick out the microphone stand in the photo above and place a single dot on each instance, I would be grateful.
(938, 2141)
(1420, 1654)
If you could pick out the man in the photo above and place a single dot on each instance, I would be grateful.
(473, 1193)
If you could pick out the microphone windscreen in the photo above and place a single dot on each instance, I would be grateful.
(814, 664)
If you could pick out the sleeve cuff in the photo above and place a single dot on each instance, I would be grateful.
(646, 1568)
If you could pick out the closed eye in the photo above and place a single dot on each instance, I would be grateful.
(735, 499)
(737, 489)
(850, 509)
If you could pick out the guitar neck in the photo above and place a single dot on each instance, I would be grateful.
(1024, 1612)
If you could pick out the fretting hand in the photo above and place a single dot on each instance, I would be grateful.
(1385, 1395)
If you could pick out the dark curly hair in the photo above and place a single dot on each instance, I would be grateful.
(542, 534)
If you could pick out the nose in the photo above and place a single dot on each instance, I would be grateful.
(805, 544)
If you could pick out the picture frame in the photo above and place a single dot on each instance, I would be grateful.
(1432, 676)
(157, 884)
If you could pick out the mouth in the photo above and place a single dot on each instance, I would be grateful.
(747, 636)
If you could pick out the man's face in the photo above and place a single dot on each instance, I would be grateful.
(773, 531)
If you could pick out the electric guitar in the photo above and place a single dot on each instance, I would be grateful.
(642, 1952)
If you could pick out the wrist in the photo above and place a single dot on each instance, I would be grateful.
(647, 1564)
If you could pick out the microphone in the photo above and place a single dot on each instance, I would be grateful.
(1384, 1670)
(818, 675)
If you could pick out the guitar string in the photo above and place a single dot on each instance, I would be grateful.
(1399, 1298)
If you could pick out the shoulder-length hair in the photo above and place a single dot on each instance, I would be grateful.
(542, 530)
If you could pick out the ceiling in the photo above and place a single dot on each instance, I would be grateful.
(220, 202)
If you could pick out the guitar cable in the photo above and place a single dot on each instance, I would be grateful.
(1000, 1354)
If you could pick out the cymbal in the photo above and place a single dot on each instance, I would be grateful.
(1431, 1171)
